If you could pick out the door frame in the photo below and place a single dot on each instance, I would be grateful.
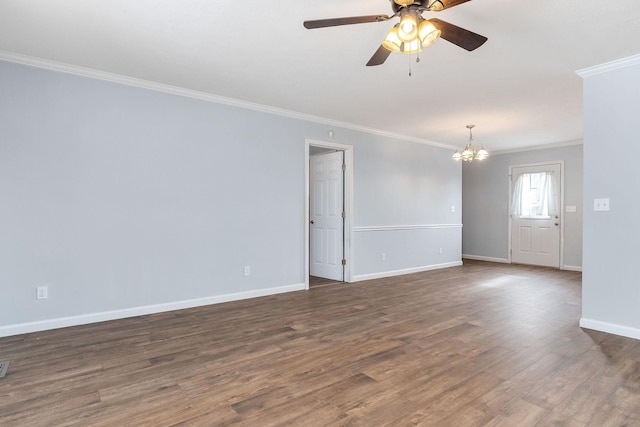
(560, 206)
(348, 205)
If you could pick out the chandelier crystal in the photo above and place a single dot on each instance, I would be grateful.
(470, 153)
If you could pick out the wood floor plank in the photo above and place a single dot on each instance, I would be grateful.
(481, 344)
(434, 411)
(557, 419)
(519, 413)
(610, 416)
(582, 404)
(562, 385)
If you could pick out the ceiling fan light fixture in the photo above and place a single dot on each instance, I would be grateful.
(434, 5)
(392, 42)
(427, 33)
(413, 46)
(408, 29)
(404, 3)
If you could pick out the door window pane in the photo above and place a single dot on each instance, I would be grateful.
(534, 195)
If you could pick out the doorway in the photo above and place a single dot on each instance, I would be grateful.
(535, 214)
(328, 212)
(326, 215)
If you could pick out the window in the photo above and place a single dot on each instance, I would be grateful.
(534, 195)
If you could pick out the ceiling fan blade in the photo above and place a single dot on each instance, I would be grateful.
(334, 22)
(379, 57)
(438, 5)
(459, 36)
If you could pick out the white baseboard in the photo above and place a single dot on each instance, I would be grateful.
(486, 258)
(506, 261)
(404, 271)
(611, 328)
(63, 322)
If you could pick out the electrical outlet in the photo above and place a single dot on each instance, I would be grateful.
(600, 204)
(247, 270)
(42, 292)
(453, 209)
(441, 250)
(383, 256)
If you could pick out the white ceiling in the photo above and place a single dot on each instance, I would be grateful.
(520, 88)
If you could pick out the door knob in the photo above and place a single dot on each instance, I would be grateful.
(314, 223)
(555, 224)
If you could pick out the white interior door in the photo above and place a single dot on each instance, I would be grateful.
(535, 219)
(326, 205)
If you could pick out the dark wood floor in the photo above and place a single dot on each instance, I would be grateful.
(482, 344)
(316, 282)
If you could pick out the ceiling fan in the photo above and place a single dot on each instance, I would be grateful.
(413, 32)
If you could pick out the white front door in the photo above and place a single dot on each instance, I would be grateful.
(326, 205)
(535, 214)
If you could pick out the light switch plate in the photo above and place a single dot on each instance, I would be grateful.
(42, 292)
(570, 208)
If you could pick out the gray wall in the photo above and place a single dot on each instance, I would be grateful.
(125, 200)
(399, 210)
(611, 288)
(485, 201)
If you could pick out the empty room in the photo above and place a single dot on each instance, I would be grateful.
(375, 213)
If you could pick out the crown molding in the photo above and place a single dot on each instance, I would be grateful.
(609, 66)
(204, 96)
(537, 147)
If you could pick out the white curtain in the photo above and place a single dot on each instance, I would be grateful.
(550, 192)
(521, 203)
(516, 200)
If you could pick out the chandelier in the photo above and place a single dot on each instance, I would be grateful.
(469, 153)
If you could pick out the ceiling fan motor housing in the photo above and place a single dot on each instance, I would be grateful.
(430, 5)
